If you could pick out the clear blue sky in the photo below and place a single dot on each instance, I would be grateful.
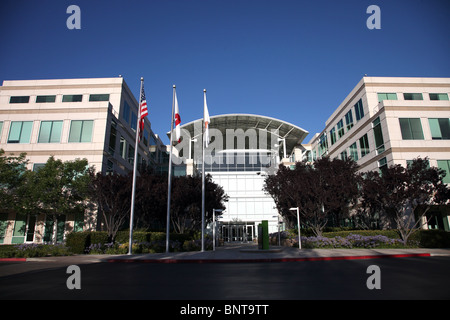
(288, 59)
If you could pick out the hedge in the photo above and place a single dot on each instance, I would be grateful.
(79, 242)
(420, 238)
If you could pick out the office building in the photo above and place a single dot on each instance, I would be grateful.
(70, 118)
(386, 121)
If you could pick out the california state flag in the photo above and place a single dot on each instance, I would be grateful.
(206, 119)
(177, 120)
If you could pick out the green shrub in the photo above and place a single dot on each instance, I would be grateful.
(77, 242)
(31, 250)
(99, 237)
(432, 238)
(97, 242)
(158, 236)
(7, 251)
(391, 234)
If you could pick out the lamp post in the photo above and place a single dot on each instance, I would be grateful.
(298, 222)
(190, 147)
(214, 227)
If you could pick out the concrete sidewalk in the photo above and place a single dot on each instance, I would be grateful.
(229, 253)
(243, 252)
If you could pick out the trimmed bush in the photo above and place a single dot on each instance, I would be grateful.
(77, 242)
(420, 238)
(7, 251)
(96, 242)
(392, 234)
(432, 238)
(31, 250)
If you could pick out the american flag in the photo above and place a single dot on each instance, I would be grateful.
(143, 112)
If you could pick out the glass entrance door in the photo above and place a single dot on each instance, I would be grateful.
(237, 232)
(31, 228)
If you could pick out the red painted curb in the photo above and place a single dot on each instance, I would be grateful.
(269, 260)
(13, 259)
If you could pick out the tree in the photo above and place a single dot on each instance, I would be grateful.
(151, 200)
(321, 191)
(55, 189)
(112, 195)
(367, 214)
(397, 192)
(12, 176)
(186, 202)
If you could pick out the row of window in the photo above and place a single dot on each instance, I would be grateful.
(50, 131)
(352, 152)
(411, 128)
(25, 226)
(339, 130)
(65, 98)
(411, 96)
(441, 164)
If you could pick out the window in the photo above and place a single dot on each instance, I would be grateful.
(410, 162)
(364, 145)
(386, 96)
(20, 225)
(38, 166)
(112, 137)
(20, 132)
(378, 134)
(349, 120)
(130, 154)
(445, 165)
(126, 112)
(382, 164)
(340, 127)
(411, 128)
(99, 97)
(123, 147)
(72, 98)
(45, 99)
(133, 123)
(412, 96)
(109, 167)
(81, 131)
(344, 155)
(354, 152)
(49, 230)
(438, 96)
(145, 137)
(50, 131)
(323, 144)
(359, 110)
(333, 136)
(1, 127)
(440, 128)
(19, 99)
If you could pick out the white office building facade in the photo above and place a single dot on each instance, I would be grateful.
(244, 149)
(92, 118)
(386, 121)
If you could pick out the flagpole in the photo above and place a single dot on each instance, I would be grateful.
(203, 176)
(169, 188)
(134, 170)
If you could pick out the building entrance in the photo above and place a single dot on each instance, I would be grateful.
(241, 232)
